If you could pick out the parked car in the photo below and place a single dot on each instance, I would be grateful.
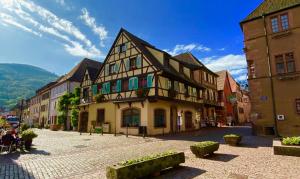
(13, 121)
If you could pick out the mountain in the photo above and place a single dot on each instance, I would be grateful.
(19, 81)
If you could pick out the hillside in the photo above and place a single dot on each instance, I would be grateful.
(20, 81)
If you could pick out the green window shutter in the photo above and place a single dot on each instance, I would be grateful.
(119, 87)
(127, 64)
(95, 89)
(103, 88)
(139, 61)
(106, 72)
(136, 83)
(130, 85)
(150, 80)
(108, 87)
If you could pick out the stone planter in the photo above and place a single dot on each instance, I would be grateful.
(144, 168)
(55, 127)
(205, 148)
(233, 141)
(289, 150)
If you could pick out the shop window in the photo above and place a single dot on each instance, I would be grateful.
(159, 118)
(131, 117)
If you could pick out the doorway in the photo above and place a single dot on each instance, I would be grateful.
(84, 118)
(173, 119)
(100, 117)
(188, 120)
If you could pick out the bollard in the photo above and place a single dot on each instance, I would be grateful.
(144, 132)
(102, 130)
(91, 131)
(127, 130)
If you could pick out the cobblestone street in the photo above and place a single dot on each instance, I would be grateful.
(70, 155)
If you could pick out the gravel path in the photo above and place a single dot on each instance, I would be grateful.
(70, 155)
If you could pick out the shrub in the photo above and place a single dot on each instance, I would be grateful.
(291, 141)
(98, 130)
(3, 122)
(232, 135)
(74, 117)
(145, 158)
(47, 126)
(204, 148)
(24, 127)
(28, 135)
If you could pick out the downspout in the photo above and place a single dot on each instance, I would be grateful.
(270, 77)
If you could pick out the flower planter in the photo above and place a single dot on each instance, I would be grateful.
(202, 149)
(144, 168)
(233, 140)
(54, 127)
(289, 150)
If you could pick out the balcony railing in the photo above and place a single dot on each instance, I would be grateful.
(86, 100)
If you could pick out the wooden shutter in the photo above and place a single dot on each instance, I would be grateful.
(130, 85)
(103, 88)
(119, 87)
(106, 72)
(95, 89)
(136, 83)
(149, 80)
(108, 87)
(127, 64)
(138, 61)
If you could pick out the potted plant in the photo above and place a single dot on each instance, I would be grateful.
(232, 139)
(142, 92)
(99, 98)
(27, 137)
(205, 148)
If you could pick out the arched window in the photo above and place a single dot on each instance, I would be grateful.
(159, 118)
(131, 117)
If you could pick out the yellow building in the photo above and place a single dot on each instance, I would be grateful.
(272, 47)
(141, 88)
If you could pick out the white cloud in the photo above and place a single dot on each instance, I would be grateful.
(91, 22)
(44, 21)
(235, 64)
(9, 20)
(61, 2)
(187, 48)
(222, 49)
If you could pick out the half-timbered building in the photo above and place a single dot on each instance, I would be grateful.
(141, 88)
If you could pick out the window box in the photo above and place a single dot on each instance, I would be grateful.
(142, 92)
(145, 166)
(202, 149)
(99, 98)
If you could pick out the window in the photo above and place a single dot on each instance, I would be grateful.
(114, 86)
(100, 116)
(122, 48)
(285, 63)
(85, 93)
(143, 82)
(132, 63)
(298, 106)
(290, 62)
(159, 118)
(275, 24)
(284, 22)
(279, 64)
(125, 85)
(251, 69)
(131, 117)
(112, 68)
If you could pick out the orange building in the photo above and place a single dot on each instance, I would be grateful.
(272, 47)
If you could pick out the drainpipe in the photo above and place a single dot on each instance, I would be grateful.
(270, 77)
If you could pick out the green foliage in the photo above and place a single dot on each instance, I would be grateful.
(47, 126)
(291, 141)
(24, 127)
(64, 102)
(205, 143)
(77, 92)
(99, 98)
(232, 135)
(74, 117)
(145, 158)
(28, 135)
(98, 130)
(62, 117)
(18, 81)
(2, 122)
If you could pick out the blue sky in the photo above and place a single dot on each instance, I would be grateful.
(57, 34)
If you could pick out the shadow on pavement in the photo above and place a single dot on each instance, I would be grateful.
(221, 157)
(216, 134)
(180, 172)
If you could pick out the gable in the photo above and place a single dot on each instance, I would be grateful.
(117, 63)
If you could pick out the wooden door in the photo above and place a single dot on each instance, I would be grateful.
(84, 118)
(188, 120)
